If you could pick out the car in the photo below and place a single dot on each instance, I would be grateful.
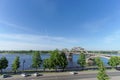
(24, 75)
(5, 75)
(37, 74)
(73, 73)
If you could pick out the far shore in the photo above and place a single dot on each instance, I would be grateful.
(48, 51)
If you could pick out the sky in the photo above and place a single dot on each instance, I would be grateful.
(51, 24)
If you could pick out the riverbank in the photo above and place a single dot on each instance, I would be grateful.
(48, 51)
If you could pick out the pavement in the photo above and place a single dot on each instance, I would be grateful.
(82, 75)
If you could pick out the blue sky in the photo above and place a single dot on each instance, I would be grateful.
(51, 24)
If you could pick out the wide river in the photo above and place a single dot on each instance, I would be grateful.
(28, 60)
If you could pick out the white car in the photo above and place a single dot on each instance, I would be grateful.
(35, 74)
(73, 73)
(23, 74)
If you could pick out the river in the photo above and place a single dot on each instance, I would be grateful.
(28, 60)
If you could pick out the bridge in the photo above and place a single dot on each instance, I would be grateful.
(102, 56)
(90, 55)
(78, 50)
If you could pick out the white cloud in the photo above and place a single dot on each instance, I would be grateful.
(25, 41)
(12, 45)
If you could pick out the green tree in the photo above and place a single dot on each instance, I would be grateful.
(36, 60)
(98, 61)
(114, 61)
(16, 64)
(55, 59)
(102, 70)
(46, 64)
(63, 60)
(3, 63)
(82, 60)
(102, 74)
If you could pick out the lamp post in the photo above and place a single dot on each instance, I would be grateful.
(23, 64)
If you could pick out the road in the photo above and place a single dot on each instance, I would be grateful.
(90, 76)
(76, 77)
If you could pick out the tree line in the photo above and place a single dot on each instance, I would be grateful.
(24, 51)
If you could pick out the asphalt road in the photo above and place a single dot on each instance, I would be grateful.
(76, 77)
(66, 77)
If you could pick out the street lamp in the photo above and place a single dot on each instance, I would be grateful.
(23, 64)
